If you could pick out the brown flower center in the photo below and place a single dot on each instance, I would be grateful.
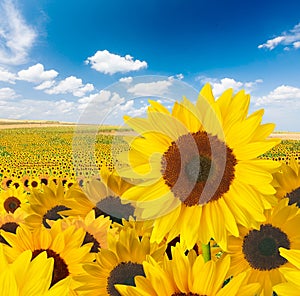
(8, 227)
(34, 184)
(111, 206)
(198, 168)
(261, 247)
(89, 238)
(124, 274)
(11, 204)
(52, 214)
(60, 270)
(294, 197)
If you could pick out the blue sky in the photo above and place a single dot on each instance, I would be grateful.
(56, 57)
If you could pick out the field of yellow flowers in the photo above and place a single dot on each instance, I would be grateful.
(196, 201)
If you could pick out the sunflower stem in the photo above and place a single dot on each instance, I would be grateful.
(206, 252)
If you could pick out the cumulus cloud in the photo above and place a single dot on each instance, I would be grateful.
(7, 76)
(156, 88)
(7, 93)
(281, 95)
(100, 99)
(126, 79)
(37, 74)
(289, 38)
(220, 85)
(16, 36)
(40, 109)
(71, 85)
(98, 107)
(45, 85)
(108, 63)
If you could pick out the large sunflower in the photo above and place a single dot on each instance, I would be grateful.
(64, 246)
(287, 182)
(199, 166)
(187, 275)
(258, 250)
(26, 276)
(118, 264)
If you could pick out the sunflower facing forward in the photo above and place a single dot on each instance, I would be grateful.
(103, 196)
(199, 166)
(118, 264)
(187, 275)
(64, 246)
(27, 276)
(287, 182)
(269, 251)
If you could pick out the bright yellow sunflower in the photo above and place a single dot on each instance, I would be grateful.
(258, 250)
(11, 221)
(96, 229)
(287, 182)
(104, 196)
(118, 264)
(12, 198)
(26, 276)
(200, 168)
(187, 275)
(46, 204)
(292, 286)
(64, 246)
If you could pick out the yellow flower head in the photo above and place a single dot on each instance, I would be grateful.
(287, 182)
(201, 176)
(265, 251)
(187, 275)
(118, 264)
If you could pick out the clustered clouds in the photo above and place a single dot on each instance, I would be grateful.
(220, 85)
(65, 98)
(288, 39)
(281, 95)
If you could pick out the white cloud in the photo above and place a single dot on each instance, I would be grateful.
(292, 37)
(72, 85)
(127, 106)
(37, 74)
(179, 76)
(109, 63)
(45, 85)
(7, 76)
(220, 85)
(16, 36)
(281, 95)
(126, 79)
(156, 88)
(100, 99)
(7, 93)
(40, 109)
(137, 112)
(296, 44)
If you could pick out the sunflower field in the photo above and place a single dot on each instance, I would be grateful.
(194, 201)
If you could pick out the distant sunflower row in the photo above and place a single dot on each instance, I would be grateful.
(191, 210)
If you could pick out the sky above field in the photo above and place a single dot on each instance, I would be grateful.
(98, 60)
